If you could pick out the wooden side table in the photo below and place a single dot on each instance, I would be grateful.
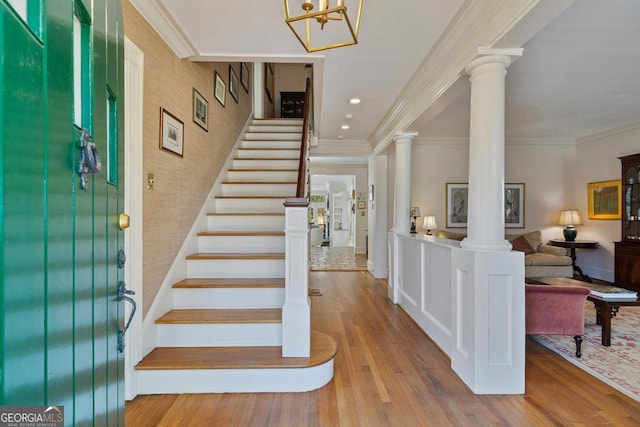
(580, 244)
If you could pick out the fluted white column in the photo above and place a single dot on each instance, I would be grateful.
(485, 223)
(402, 205)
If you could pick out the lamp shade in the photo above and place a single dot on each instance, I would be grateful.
(429, 223)
(415, 212)
(569, 217)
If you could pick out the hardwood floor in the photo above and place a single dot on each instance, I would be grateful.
(389, 373)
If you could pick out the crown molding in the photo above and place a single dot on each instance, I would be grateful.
(620, 130)
(449, 140)
(163, 23)
(477, 24)
(540, 141)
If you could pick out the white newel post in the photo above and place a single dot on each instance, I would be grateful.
(401, 206)
(296, 312)
(488, 278)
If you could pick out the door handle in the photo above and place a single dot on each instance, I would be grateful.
(123, 295)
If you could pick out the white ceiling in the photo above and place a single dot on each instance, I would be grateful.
(580, 75)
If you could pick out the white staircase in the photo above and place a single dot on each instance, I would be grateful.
(224, 333)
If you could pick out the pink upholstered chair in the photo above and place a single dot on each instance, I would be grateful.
(555, 310)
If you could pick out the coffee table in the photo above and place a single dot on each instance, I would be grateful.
(606, 309)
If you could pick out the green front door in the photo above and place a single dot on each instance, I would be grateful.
(61, 72)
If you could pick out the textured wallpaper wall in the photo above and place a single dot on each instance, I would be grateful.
(181, 184)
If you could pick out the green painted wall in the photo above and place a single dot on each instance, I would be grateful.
(58, 244)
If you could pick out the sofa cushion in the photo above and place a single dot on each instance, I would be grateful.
(522, 245)
(546, 259)
(533, 237)
(552, 250)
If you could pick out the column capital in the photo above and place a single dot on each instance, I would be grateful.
(502, 57)
(404, 137)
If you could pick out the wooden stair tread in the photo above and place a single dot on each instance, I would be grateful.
(246, 213)
(323, 349)
(241, 233)
(252, 197)
(236, 256)
(260, 182)
(281, 159)
(201, 316)
(231, 283)
(266, 148)
(262, 170)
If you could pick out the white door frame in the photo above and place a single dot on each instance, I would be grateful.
(133, 117)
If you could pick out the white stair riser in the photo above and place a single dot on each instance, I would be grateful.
(277, 122)
(234, 380)
(241, 244)
(259, 176)
(265, 164)
(275, 128)
(266, 136)
(224, 298)
(259, 189)
(245, 222)
(290, 145)
(219, 335)
(256, 153)
(249, 205)
(237, 268)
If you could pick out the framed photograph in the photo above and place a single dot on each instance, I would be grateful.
(268, 80)
(244, 76)
(220, 89)
(233, 84)
(171, 133)
(362, 204)
(200, 110)
(457, 204)
(605, 199)
(514, 205)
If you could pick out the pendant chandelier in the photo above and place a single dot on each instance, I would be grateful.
(319, 25)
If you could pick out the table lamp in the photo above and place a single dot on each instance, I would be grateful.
(569, 218)
(429, 223)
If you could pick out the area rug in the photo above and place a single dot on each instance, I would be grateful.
(618, 365)
(326, 258)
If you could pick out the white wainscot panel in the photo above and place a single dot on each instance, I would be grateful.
(425, 286)
(409, 272)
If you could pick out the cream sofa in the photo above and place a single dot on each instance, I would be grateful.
(540, 260)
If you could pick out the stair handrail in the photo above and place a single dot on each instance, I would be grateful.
(301, 189)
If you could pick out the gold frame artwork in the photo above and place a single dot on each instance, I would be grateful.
(602, 197)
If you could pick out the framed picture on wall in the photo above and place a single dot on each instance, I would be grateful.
(220, 89)
(244, 76)
(514, 205)
(457, 202)
(605, 199)
(200, 110)
(171, 133)
(234, 85)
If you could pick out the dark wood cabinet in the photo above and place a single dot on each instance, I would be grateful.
(292, 105)
(627, 256)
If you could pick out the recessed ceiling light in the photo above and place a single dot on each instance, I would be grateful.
(345, 127)
(354, 101)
